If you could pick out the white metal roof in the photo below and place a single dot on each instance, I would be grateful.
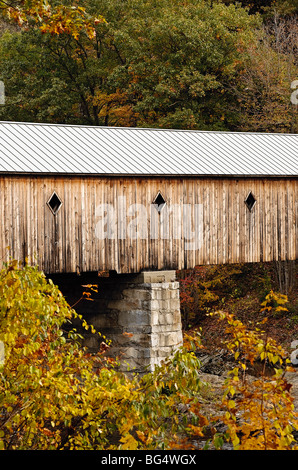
(75, 149)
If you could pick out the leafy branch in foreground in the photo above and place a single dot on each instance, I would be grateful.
(55, 395)
(259, 410)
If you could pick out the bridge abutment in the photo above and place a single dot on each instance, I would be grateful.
(139, 313)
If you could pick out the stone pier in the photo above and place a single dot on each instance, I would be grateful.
(139, 313)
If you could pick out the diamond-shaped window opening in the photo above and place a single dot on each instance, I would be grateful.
(54, 203)
(159, 202)
(250, 201)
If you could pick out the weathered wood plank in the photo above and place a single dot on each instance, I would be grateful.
(69, 240)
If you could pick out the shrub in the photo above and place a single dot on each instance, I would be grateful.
(259, 410)
(54, 395)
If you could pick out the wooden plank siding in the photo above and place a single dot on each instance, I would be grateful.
(70, 240)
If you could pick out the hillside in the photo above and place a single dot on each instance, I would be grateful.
(240, 290)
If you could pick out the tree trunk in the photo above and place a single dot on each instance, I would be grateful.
(286, 275)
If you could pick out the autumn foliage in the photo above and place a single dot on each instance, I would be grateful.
(51, 17)
(55, 395)
(50, 396)
(259, 409)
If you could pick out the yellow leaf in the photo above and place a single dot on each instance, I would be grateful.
(236, 441)
(129, 442)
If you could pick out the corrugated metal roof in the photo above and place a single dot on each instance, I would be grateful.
(74, 149)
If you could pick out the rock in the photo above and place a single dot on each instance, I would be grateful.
(216, 363)
(292, 378)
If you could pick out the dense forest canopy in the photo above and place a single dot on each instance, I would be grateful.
(193, 64)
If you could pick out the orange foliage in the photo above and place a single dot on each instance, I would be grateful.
(51, 19)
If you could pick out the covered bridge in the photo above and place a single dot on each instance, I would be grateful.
(140, 204)
(79, 198)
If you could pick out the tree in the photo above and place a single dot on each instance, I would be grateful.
(269, 7)
(50, 396)
(160, 64)
(55, 395)
(176, 60)
(194, 64)
(263, 89)
(46, 79)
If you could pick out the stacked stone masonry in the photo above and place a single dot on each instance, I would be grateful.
(148, 316)
(140, 314)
